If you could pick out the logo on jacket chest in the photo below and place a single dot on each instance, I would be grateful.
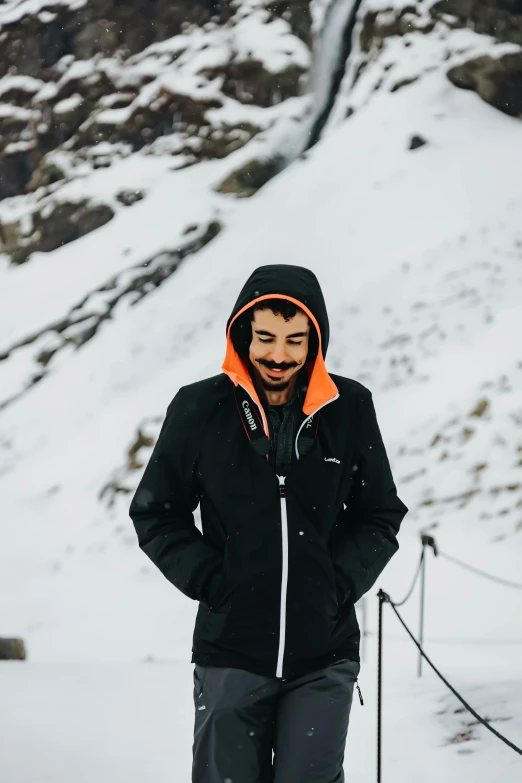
(332, 459)
(248, 413)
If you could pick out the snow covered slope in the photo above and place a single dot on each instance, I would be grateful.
(408, 210)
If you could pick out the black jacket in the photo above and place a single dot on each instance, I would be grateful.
(280, 561)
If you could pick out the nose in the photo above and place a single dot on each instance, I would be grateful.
(279, 354)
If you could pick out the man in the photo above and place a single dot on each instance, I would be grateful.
(299, 514)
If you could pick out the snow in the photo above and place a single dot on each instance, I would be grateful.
(25, 83)
(68, 104)
(16, 113)
(13, 11)
(272, 42)
(67, 274)
(419, 253)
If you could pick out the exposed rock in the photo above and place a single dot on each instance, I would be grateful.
(377, 26)
(502, 19)
(297, 14)
(142, 440)
(10, 237)
(403, 83)
(417, 141)
(111, 490)
(19, 90)
(250, 82)
(51, 227)
(92, 89)
(248, 179)
(83, 321)
(130, 197)
(46, 173)
(36, 42)
(12, 650)
(16, 170)
(147, 123)
(98, 36)
(480, 408)
(497, 81)
(122, 481)
(222, 141)
(26, 136)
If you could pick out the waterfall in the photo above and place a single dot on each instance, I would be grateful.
(332, 50)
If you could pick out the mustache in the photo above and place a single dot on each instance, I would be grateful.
(273, 366)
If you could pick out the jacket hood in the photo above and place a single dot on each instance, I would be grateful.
(298, 285)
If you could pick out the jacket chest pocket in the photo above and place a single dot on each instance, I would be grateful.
(320, 489)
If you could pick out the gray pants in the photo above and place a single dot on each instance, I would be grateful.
(240, 718)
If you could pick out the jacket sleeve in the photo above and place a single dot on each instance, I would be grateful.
(373, 512)
(163, 505)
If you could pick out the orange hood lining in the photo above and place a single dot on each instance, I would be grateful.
(321, 388)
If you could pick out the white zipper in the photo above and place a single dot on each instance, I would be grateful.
(308, 418)
(284, 578)
(284, 539)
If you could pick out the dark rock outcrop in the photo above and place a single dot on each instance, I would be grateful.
(497, 81)
(416, 141)
(248, 179)
(84, 81)
(147, 123)
(12, 650)
(36, 42)
(377, 26)
(502, 19)
(130, 197)
(249, 82)
(296, 13)
(51, 227)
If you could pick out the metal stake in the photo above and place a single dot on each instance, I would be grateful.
(379, 690)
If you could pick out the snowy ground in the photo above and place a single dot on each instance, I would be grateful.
(420, 256)
(112, 720)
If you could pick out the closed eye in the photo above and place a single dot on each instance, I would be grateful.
(290, 342)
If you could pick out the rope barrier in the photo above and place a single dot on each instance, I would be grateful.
(410, 591)
(428, 540)
(385, 598)
(456, 640)
(506, 582)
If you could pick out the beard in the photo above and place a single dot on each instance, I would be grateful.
(269, 384)
(274, 385)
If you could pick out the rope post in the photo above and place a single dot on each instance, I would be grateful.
(426, 540)
(382, 598)
(422, 596)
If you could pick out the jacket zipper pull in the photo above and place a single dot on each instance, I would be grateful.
(360, 694)
(282, 488)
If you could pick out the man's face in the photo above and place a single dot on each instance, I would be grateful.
(279, 348)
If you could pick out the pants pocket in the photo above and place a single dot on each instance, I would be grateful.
(349, 668)
(200, 672)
